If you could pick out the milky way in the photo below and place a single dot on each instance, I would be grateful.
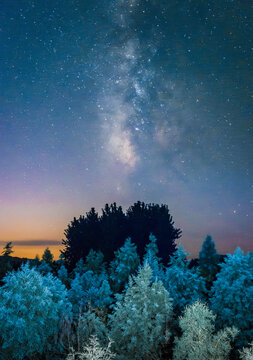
(130, 100)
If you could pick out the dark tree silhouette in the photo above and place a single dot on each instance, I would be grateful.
(48, 256)
(81, 236)
(8, 249)
(146, 218)
(113, 230)
(108, 232)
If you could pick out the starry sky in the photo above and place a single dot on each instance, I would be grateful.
(126, 100)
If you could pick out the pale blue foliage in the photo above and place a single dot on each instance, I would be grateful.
(90, 289)
(140, 317)
(198, 340)
(150, 256)
(44, 268)
(232, 295)
(247, 353)
(184, 285)
(90, 324)
(125, 263)
(62, 274)
(32, 307)
(80, 268)
(92, 351)
(95, 262)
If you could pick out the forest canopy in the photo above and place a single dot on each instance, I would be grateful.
(107, 232)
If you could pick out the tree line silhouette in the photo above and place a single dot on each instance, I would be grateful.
(108, 231)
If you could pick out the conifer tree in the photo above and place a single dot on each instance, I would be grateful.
(47, 256)
(62, 274)
(80, 268)
(150, 256)
(32, 307)
(44, 268)
(7, 251)
(125, 263)
(208, 261)
(232, 295)
(89, 289)
(184, 285)
(5, 260)
(89, 324)
(95, 261)
(198, 340)
(140, 317)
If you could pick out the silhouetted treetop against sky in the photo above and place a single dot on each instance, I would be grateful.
(108, 232)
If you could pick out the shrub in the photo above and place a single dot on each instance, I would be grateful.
(247, 353)
(92, 351)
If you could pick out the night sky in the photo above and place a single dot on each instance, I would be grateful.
(126, 100)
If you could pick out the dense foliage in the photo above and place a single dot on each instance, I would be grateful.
(140, 317)
(109, 231)
(32, 307)
(232, 295)
(89, 289)
(125, 263)
(130, 308)
(198, 340)
(184, 285)
(208, 261)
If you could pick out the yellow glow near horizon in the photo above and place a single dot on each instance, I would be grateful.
(31, 251)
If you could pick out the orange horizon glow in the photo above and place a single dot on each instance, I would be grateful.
(29, 252)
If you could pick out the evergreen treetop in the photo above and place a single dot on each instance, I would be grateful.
(7, 250)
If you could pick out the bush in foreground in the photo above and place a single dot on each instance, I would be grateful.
(140, 317)
(31, 309)
(232, 295)
(198, 340)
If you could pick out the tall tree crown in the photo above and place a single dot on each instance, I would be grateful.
(108, 232)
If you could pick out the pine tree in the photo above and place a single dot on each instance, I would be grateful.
(183, 284)
(89, 324)
(89, 289)
(208, 261)
(80, 268)
(7, 249)
(150, 256)
(32, 307)
(198, 340)
(140, 317)
(47, 256)
(6, 264)
(232, 295)
(125, 263)
(63, 275)
(44, 268)
(95, 261)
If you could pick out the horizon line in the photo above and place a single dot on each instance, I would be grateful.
(34, 242)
